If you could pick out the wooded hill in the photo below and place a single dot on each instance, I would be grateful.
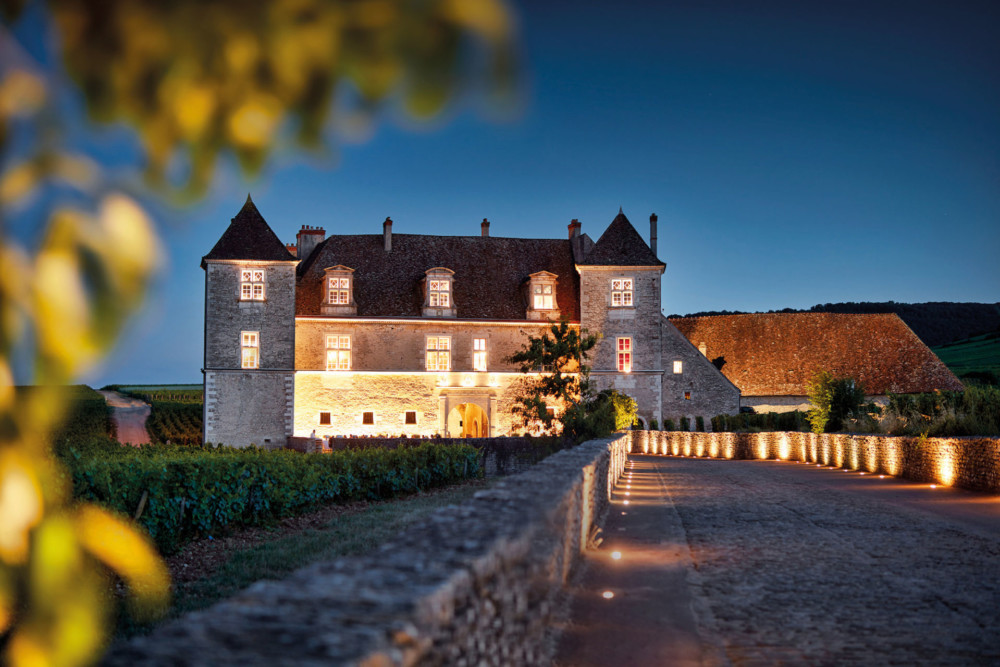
(935, 322)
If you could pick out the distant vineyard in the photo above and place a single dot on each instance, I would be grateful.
(87, 414)
(178, 422)
(176, 416)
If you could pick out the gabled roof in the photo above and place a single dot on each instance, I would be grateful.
(775, 354)
(621, 245)
(249, 237)
(489, 273)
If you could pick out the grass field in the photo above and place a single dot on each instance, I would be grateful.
(976, 354)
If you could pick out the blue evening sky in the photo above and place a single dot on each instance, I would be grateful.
(796, 153)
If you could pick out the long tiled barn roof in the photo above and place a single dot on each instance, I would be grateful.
(249, 237)
(775, 354)
(489, 273)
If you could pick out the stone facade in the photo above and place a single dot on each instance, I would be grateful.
(249, 406)
(699, 389)
(363, 355)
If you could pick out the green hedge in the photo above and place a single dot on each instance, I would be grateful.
(196, 492)
(771, 421)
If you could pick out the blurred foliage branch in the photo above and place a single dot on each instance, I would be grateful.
(195, 80)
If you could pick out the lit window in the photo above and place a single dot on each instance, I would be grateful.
(438, 353)
(324, 419)
(250, 349)
(338, 353)
(252, 285)
(339, 291)
(439, 291)
(411, 417)
(621, 292)
(368, 418)
(479, 354)
(678, 367)
(625, 355)
(687, 395)
(543, 297)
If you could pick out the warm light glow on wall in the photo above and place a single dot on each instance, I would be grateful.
(442, 380)
(467, 380)
(699, 449)
(871, 462)
(687, 444)
(891, 457)
(784, 447)
(761, 449)
(713, 446)
(838, 452)
(946, 465)
(675, 446)
(855, 457)
(812, 446)
(494, 380)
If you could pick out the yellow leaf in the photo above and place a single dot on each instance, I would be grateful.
(21, 93)
(129, 554)
(20, 506)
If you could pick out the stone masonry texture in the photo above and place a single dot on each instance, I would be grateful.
(473, 585)
(797, 569)
(968, 462)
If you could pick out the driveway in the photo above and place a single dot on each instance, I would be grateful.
(767, 562)
(130, 415)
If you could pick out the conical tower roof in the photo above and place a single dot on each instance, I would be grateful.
(249, 237)
(621, 245)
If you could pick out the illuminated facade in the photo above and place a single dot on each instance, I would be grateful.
(389, 334)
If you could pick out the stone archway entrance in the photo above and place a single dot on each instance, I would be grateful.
(468, 420)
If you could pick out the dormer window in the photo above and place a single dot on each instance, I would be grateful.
(621, 293)
(338, 297)
(252, 285)
(439, 293)
(543, 297)
(542, 304)
(339, 291)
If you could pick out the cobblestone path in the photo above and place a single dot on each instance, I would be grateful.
(708, 562)
(800, 566)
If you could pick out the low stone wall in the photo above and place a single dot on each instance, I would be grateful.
(474, 584)
(969, 462)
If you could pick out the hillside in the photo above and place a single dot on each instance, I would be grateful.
(935, 322)
(979, 355)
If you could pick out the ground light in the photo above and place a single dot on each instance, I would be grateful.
(607, 595)
(616, 555)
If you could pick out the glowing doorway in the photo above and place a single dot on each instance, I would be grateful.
(468, 420)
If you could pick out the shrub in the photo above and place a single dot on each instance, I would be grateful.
(654, 425)
(833, 400)
(668, 425)
(699, 423)
(197, 491)
(685, 424)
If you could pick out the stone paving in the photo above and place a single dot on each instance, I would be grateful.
(791, 564)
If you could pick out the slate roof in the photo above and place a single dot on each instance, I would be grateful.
(621, 245)
(249, 237)
(775, 354)
(489, 274)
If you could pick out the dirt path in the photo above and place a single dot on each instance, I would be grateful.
(129, 415)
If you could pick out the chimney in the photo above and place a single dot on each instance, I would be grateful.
(486, 227)
(293, 248)
(652, 232)
(387, 234)
(307, 239)
(574, 228)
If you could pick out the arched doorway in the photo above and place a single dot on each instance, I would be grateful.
(468, 420)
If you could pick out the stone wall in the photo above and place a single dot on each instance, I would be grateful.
(700, 389)
(473, 584)
(969, 462)
(641, 322)
(248, 407)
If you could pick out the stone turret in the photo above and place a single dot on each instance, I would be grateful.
(249, 334)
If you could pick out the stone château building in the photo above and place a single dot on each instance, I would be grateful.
(369, 334)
